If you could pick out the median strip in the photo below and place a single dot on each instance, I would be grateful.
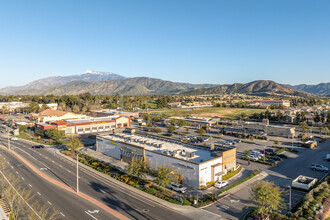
(106, 208)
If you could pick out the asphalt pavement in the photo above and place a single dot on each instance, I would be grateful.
(96, 186)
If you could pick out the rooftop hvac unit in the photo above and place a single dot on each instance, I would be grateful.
(161, 145)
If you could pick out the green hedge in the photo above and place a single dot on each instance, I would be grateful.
(231, 174)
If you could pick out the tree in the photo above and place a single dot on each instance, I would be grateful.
(170, 129)
(137, 168)
(56, 135)
(22, 128)
(74, 144)
(165, 175)
(201, 131)
(268, 196)
(4, 108)
(157, 130)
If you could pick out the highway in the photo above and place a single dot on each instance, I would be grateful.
(94, 185)
(68, 204)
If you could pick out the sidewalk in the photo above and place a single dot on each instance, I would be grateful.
(189, 211)
(122, 166)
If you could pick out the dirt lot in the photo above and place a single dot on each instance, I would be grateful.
(229, 113)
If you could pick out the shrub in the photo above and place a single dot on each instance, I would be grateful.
(209, 184)
(231, 173)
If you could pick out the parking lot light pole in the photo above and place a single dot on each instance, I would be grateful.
(290, 200)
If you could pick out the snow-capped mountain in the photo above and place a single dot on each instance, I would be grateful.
(89, 75)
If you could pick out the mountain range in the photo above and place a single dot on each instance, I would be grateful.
(319, 89)
(108, 83)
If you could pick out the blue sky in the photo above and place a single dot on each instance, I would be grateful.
(218, 41)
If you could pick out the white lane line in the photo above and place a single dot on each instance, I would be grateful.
(61, 166)
(12, 167)
(16, 172)
(90, 215)
(110, 184)
(62, 214)
(102, 191)
(49, 203)
(212, 213)
(22, 178)
(30, 185)
(39, 193)
(69, 171)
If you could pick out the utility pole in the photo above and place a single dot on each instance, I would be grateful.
(77, 173)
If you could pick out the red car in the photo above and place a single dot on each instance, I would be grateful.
(264, 152)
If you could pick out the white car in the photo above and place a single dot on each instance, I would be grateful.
(319, 167)
(253, 157)
(220, 184)
(14, 139)
(178, 187)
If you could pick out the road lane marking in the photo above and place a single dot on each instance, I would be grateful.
(39, 193)
(62, 214)
(102, 191)
(30, 185)
(91, 215)
(16, 172)
(212, 213)
(22, 178)
(49, 203)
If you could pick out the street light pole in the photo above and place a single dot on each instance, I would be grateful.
(8, 139)
(77, 173)
(290, 200)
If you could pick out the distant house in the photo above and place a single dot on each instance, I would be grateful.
(55, 115)
(267, 103)
(52, 106)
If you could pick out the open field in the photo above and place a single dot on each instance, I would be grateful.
(228, 113)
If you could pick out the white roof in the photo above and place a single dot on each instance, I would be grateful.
(167, 147)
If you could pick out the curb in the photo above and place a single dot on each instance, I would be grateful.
(82, 195)
(237, 188)
(139, 192)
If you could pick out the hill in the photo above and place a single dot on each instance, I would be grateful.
(257, 87)
(37, 85)
(128, 86)
(319, 89)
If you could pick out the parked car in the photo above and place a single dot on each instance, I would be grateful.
(264, 152)
(38, 146)
(327, 157)
(178, 187)
(272, 161)
(228, 143)
(283, 156)
(14, 139)
(253, 157)
(270, 151)
(319, 167)
(237, 141)
(277, 158)
(220, 184)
